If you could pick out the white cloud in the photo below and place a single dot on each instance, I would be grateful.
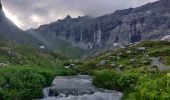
(32, 13)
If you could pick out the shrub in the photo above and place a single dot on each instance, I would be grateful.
(21, 83)
(26, 82)
(126, 81)
(109, 79)
(106, 79)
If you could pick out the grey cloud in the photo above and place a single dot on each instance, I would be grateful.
(51, 10)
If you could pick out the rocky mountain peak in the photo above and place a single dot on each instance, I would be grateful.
(148, 22)
(68, 17)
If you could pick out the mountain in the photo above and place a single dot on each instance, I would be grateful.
(148, 22)
(9, 31)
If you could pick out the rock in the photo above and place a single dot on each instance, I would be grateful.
(118, 70)
(141, 48)
(132, 60)
(9, 52)
(118, 57)
(147, 56)
(120, 66)
(111, 57)
(119, 54)
(67, 67)
(158, 65)
(123, 47)
(129, 51)
(103, 62)
(154, 68)
(42, 47)
(113, 65)
(145, 62)
(3, 65)
(168, 74)
(72, 65)
(76, 61)
(116, 44)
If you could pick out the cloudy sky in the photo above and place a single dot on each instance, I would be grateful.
(32, 13)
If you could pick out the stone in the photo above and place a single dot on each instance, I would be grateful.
(147, 56)
(141, 48)
(67, 67)
(3, 65)
(154, 68)
(111, 57)
(76, 61)
(113, 65)
(132, 60)
(123, 47)
(145, 62)
(42, 47)
(103, 62)
(72, 65)
(118, 58)
(128, 52)
(120, 66)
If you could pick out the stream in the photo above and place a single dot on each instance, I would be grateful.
(77, 88)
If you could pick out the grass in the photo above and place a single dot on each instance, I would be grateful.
(19, 82)
(31, 70)
(28, 71)
(133, 78)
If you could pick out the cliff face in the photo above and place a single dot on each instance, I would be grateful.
(148, 22)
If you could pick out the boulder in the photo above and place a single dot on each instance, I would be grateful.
(128, 52)
(3, 65)
(103, 62)
(113, 65)
(141, 48)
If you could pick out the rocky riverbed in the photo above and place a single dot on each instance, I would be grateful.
(77, 88)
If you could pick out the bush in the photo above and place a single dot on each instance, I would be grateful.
(109, 79)
(157, 88)
(21, 83)
(126, 82)
(26, 82)
(106, 79)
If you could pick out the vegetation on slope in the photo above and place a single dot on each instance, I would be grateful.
(130, 70)
(24, 71)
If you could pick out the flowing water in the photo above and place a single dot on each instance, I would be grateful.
(77, 88)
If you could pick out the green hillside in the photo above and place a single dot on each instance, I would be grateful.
(140, 71)
(25, 71)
